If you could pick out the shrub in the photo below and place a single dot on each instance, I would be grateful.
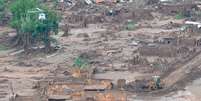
(179, 16)
(81, 62)
(2, 9)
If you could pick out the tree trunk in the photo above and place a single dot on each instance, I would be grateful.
(66, 30)
(48, 47)
(47, 43)
(27, 41)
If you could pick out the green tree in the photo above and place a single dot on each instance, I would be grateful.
(2, 9)
(30, 29)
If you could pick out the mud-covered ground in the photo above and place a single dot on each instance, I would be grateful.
(113, 52)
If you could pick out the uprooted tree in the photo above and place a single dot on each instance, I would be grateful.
(34, 24)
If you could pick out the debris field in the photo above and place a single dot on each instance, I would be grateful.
(110, 50)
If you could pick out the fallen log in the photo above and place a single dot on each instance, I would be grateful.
(96, 87)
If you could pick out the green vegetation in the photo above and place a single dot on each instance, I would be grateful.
(179, 16)
(81, 62)
(157, 65)
(2, 9)
(34, 23)
(130, 25)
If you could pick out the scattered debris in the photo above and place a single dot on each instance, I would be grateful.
(111, 50)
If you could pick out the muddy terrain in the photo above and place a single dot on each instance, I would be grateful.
(109, 51)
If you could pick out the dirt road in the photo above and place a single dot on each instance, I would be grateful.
(183, 70)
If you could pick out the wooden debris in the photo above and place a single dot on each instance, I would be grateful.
(90, 81)
(77, 95)
(103, 85)
(107, 84)
(121, 83)
(76, 73)
(105, 97)
(95, 87)
(62, 89)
